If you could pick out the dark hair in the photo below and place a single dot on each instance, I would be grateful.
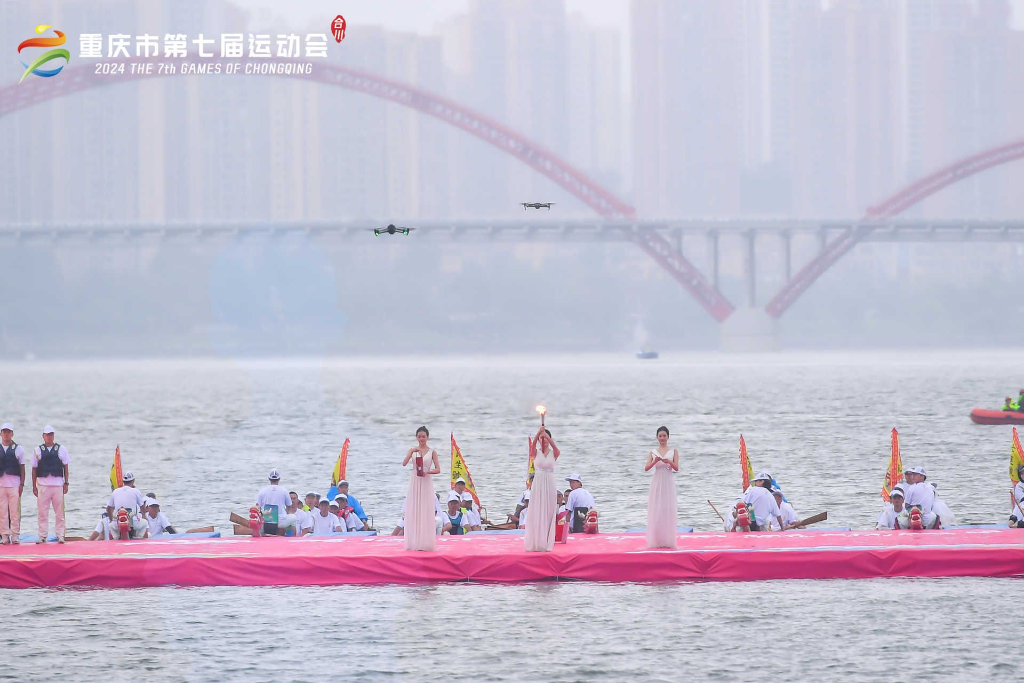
(660, 430)
(548, 432)
(424, 430)
(150, 495)
(293, 493)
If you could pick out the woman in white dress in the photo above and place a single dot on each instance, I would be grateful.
(420, 501)
(540, 532)
(662, 506)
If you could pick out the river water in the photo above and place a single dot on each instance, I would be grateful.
(202, 435)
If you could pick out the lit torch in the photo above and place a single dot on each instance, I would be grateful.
(543, 411)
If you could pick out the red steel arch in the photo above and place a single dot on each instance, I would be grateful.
(887, 208)
(79, 78)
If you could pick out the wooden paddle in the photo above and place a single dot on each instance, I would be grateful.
(716, 511)
(814, 519)
(240, 520)
(242, 530)
(201, 530)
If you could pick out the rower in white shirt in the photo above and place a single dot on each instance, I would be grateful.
(761, 502)
(524, 509)
(892, 510)
(579, 503)
(1017, 500)
(156, 520)
(786, 511)
(346, 514)
(324, 522)
(273, 500)
(473, 521)
(128, 498)
(920, 499)
(946, 517)
(304, 521)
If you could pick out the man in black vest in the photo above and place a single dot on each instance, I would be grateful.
(12, 484)
(49, 483)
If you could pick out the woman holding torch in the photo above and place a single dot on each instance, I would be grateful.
(540, 532)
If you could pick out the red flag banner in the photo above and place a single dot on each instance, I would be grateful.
(894, 473)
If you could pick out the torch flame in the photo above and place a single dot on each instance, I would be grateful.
(541, 409)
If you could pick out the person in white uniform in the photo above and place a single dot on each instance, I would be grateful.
(346, 514)
(524, 509)
(12, 485)
(157, 521)
(760, 501)
(473, 520)
(324, 522)
(1017, 500)
(892, 510)
(946, 517)
(273, 501)
(580, 502)
(304, 521)
(131, 499)
(920, 496)
(50, 480)
(786, 511)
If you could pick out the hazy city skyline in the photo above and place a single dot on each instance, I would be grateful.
(733, 110)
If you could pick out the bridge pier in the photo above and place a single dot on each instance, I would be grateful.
(713, 248)
(749, 330)
(751, 269)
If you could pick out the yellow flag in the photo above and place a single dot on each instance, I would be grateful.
(116, 475)
(1016, 457)
(459, 469)
(532, 452)
(746, 469)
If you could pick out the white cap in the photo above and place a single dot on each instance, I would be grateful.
(47, 429)
(151, 501)
(454, 495)
(776, 490)
(128, 476)
(343, 482)
(335, 503)
(460, 480)
(897, 491)
(338, 498)
(7, 425)
(467, 496)
(324, 500)
(763, 475)
(574, 477)
(274, 475)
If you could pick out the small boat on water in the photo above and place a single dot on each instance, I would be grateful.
(647, 355)
(985, 416)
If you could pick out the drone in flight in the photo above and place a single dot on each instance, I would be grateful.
(391, 230)
(537, 205)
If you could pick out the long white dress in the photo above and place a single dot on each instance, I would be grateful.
(662, 507)
(540, 532)
(420, 505)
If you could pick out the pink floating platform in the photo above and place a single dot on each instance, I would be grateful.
(500, 558)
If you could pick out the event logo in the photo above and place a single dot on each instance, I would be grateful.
(47, 56)
(338, 28)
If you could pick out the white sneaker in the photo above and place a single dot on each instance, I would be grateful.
(60, 539)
